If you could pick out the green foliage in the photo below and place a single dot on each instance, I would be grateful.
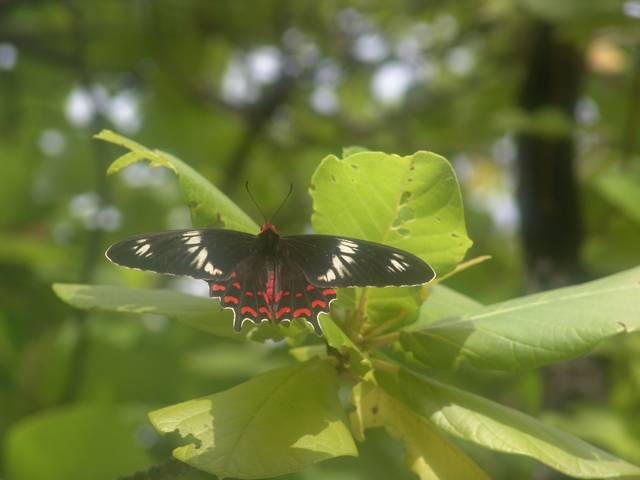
(428, 452)
(208, 205)
(33, 445)
(290, 418)
(276, 423)
(532, 331)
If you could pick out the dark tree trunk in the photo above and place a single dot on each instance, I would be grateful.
(547, 192)
(551, 225)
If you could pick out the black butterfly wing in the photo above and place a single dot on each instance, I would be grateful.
(330, 261)
(199, 253)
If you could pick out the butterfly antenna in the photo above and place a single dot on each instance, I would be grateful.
(282, 204)
(246, 185)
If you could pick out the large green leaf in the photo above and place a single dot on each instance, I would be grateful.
(198, 312)
(534, 330)
(208, 205)
(427, 452)
(83, 441)
(443, 303)
(499, 428)
(412, 203)
(276, 423)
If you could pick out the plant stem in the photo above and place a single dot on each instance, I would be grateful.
(357, 319)
(382, 340)
(384, 366)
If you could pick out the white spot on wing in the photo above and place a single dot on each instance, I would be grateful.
(345, 246)
(328, 277)
(192, 240)
(398, 266)
(141, 250)
(198, 262)
(348, 259)
(211, 269)
(338, 267)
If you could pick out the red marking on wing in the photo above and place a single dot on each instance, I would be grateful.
(282, 311)
(233, 275)
(302, 311)
(236, 285)
(266, 311)
(271, 280)
(310, 287)
(318, 303)
(230, 299)
(216, 287)
(328, 291)
(249, 310)
(298, 295)
(248, 294)
(282, 293)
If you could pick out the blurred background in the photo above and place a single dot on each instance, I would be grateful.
(535, 102)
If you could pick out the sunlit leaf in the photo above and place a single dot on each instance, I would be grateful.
(276, 423)
(199, 312)
(427, 452)
(208, 205)
(500, 428)
(534, 330)
(412, 203)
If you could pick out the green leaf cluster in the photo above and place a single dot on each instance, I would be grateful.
(383, 344)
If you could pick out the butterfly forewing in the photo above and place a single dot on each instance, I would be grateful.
(346, 262)
(198, 253)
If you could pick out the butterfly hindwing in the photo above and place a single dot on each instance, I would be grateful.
(346, 262)
(198, 253)
(272, 290)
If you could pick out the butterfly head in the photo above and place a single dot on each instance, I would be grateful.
(268, 227)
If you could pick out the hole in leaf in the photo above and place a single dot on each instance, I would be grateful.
(333, 179)
(354, 166)
(374, 409)
(438, 219)
(455, 235)
(404, 198)
(405, 232)
(405, 214)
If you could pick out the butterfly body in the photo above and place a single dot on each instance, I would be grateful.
(268, 277)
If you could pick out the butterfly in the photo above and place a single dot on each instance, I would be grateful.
(268, 277)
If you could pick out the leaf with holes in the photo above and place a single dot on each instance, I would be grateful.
(411, 202)
(276, 423)
(208, 205)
